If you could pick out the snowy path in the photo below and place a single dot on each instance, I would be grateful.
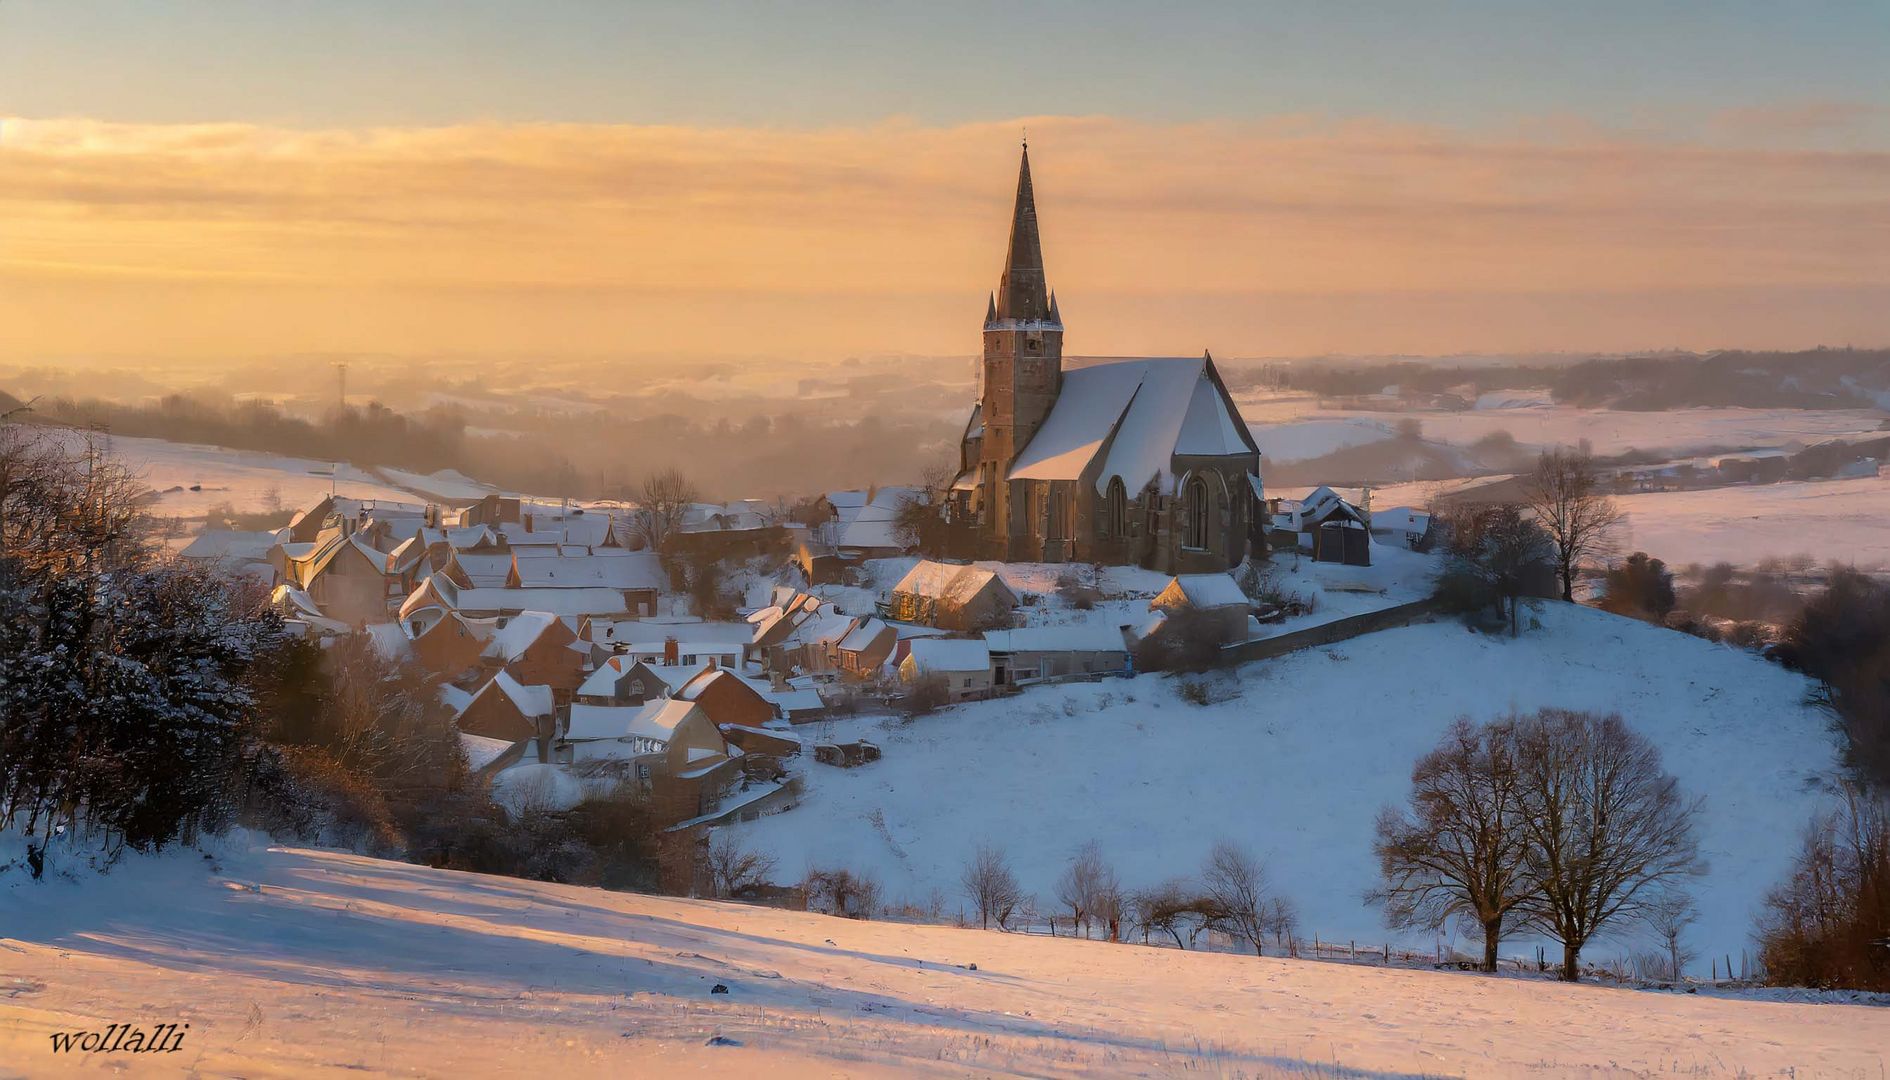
(295, 962)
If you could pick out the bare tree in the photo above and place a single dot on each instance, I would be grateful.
(1236, 900)
(1609, 830)
(1668, 917)
(919, 520)
(1458, 851)
(1089, 891)
(1496, 555)
(991, 887)
(1170, 907)
(662, 500)
(1566, 497)
(735, 871)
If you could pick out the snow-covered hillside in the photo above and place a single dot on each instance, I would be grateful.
(1296, 756)
(297, 962)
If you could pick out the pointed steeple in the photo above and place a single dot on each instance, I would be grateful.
(990, 309)
(1055, 315)
(1021, 294)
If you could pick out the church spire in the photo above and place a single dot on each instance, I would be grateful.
(1021, 291)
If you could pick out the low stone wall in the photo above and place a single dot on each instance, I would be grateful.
(1330, 633)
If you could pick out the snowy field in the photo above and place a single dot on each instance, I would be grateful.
(1846, 520)
(1295, 758)
(1292, 427)
(290, 962)
(242, 478)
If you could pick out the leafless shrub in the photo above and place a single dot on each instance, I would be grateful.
(734, 871)
(1826, 925)
(840, 892)
(1188, 640)
(928, 692)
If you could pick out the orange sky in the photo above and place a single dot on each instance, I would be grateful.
(1280, 237)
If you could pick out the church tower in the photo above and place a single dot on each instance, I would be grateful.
(1023, 364)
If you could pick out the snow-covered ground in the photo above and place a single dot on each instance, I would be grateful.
(291, 962)
(242, 478)
(1294, 759)
(1845, 520)
(1298, 429)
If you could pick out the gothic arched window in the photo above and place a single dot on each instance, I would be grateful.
(1115, 515)
(1194, 509)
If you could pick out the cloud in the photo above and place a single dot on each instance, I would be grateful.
(905, 214)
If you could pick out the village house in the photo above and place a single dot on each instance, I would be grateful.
(728, 698)
(1216, 595)
(1053, 653)
(234, 552)
(952, 596)
(863, 650)
(1141, 461)
(1403, 526)
(346, 576)
(540, 649)
(506, 709)
(1325, 526)
(669, 748)
(851, 527)
(625, 680)
(964, 663)
(452, 645)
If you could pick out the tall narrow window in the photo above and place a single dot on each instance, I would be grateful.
(1194, 507)
(1115, 515)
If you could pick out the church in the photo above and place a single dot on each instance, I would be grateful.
(1142, 460)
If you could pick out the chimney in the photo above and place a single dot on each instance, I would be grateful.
(671, 654)
(528, 523)
(711, 663)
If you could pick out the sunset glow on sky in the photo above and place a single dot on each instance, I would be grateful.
(216, 179)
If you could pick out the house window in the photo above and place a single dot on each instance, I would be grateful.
(1194, 508)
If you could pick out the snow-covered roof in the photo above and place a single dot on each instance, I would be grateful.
(555, 601)
(1401, 519)
(531, 700)
(612, 569)
(873, 527)
(862, 636)
(658, 720)
(482, 751)
(1080, 637)
(1208, 590)
(230, 544)
(390, 641)
(952, 583)
(484, 571)
(454, 698)
(510, 641)
(950, 654)
(600, 721)
(1154, 409)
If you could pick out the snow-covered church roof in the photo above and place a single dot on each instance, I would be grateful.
(1155, 408)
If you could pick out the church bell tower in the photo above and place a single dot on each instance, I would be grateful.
(1023, 362)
